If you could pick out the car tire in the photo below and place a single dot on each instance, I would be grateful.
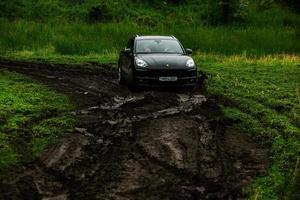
(131, 81)
(121, 79)
(191, 88)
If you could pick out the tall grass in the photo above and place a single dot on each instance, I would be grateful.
(83, 39)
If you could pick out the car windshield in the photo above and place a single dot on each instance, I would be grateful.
(158, 46)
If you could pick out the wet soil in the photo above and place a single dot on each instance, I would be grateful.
(151, 144)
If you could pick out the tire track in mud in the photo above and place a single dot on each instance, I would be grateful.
(147, 145)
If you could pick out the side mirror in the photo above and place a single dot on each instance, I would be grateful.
(188, 51)
(127, 51)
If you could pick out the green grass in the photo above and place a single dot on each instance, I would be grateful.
(264, 95)
(31, 117)
(55, 39)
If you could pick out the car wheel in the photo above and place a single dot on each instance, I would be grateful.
(191, 88)
(121, 79)
(131, 81)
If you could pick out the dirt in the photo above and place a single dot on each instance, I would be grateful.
(151, 144)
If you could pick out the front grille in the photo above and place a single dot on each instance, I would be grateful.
(167, 72)
(156, 82)
(151, 77)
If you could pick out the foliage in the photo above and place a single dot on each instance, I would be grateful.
(225, 11)
(294, 4)
(95, 11)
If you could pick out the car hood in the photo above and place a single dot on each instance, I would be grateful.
(165, 61)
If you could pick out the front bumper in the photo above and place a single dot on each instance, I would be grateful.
(150, 77)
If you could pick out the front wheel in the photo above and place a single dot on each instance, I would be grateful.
(131, 81)
(121, 79)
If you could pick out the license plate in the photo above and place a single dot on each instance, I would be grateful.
(168, 78)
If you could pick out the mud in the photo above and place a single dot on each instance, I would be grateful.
(147, 145)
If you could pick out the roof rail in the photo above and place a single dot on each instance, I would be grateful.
(173, 36)
(136, 35)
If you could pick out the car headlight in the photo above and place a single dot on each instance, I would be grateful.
(140, 63)
(190, 63)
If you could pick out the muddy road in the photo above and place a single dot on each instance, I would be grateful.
(146, 145)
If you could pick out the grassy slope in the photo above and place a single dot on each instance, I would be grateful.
(266, 104)
(31, 117)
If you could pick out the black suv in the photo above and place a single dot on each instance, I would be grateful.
(156, 61)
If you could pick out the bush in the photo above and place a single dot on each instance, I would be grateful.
(100, 13)
(294, 4)
(225, 11)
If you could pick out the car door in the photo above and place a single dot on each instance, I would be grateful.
(128, 56)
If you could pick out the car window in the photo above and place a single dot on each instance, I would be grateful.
(158, 46)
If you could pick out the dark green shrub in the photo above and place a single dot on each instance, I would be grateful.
(225, 11)
(294, 4)
(99, 13)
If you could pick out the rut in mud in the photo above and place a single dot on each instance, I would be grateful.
(147, 145)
